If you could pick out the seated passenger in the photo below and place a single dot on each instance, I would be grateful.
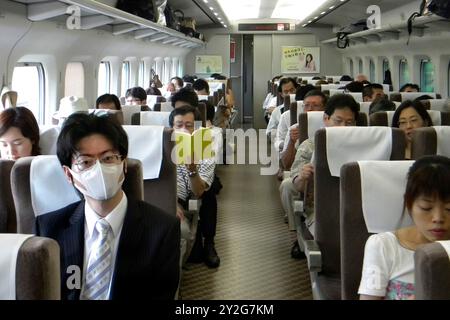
(410, 87)
(346, 78)
(108, 101)
(381, 104)
(361, 78)
(302, 91)
(177, 82)
(188, 80)
(184, 96)
(123, 249)
(170, 91)
(136, 96)
(67, 106)
(410, 115)
(19, 134)
(201, 87)
(373, 91)
(354, 86)
(341, 110)
(195, 181)
(286, 87)
(388, 269)
(153, 91)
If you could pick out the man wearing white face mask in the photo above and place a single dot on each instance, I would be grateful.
(125, 249)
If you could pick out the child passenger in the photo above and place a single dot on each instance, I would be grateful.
(388, 269)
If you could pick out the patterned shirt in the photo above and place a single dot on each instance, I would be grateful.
(206, 171)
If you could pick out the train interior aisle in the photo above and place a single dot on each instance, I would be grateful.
(253, 243)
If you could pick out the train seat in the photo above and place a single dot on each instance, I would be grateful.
(30, 268)
(432, 275)
(384, 118)
(129, 110)
(151, 118)
(362, 213)
(114, 114)
(8, 222)
(430, 141)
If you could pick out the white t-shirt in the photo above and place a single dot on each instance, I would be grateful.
(282, 130)
(274, 120)
(388, 269)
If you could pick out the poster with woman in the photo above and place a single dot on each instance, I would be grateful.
(300, 59)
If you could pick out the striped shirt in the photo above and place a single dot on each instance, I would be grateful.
(206, 171)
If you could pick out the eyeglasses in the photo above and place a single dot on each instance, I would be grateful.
(413, 122)
(84, 162)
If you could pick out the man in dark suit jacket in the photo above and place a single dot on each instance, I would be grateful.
(139, 255)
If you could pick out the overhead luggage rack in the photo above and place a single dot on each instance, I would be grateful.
(95, 14)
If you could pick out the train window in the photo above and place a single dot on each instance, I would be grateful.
(404, 72)
(125, 76)
(385, 66)
(166, 70)
(360, 66)
(74, 80)
(352, 69)
(175, 68)
(104, 77)
(29, 82)
(141, 74)
(427, 76)
(372, 71)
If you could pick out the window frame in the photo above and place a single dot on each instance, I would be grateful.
(372, 71)
(402, 81)
(83, 74)
(107, 65)
(423, 85)
(125, 85)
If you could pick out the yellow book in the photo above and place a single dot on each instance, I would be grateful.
(193, 147)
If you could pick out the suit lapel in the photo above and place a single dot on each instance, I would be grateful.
(72, 249)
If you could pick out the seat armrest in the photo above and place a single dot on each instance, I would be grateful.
(314, 256)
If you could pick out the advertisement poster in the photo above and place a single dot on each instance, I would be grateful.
(208, 64)
(300, 59)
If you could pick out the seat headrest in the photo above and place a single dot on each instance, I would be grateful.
(47, 180)
(439, 105)
(166, 107)
(364, 107)
(446, 245)
(300, 108)
(415, 95)
(315, 122)
(155, 118)
(146, 145)
(435, 117)
(48, 138)
(9, 250)
(443, 144)
(349, 144)
(383, 184)
(128, 111)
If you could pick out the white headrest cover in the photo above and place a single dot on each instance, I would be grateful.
(128, 111)
(315, 122)
(9, 250)
(356, 95)
(50, 189)
(383, 185)
(435, 117)
(348, 144)
(292, 97)
(48, 138)
(415, 95)
(146, 144)
(166, 107)
(155, 118)
(300, 108)
(336, 91)
(390, 116)
(443, 141)
(151, 100)
(364, 107)
(439, 105)
(446, 245)
(202, 97)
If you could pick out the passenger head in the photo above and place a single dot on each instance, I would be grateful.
(136, 96)
(218, 76)
(177, 82)
(184, 96)
(287, 86)
(314, 100)
(341, 110)
(361, 78)
(423, 97)
(427, 197)
(302, 91)
(19, 134)
(373, 91)
(108, 101)
(381, 104)
(346, 78)
(410, 87)
(411, 115)
(183, 118)
(188, 80)
(153, 91)
(92, 150)
(354, 86)
(201, 87)
(210, 114)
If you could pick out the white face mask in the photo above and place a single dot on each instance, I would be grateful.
(100, 182)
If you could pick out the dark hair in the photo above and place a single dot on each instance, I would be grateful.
(108, 98)
(314, 93)
(201, 84)
(410, 85)
(428, 176)
(423, 97)
(381, 104)
(354, 86)
(23, 119)
(346, 78)
(306, 59)
(186, 95)
(276, 78)
(183, 110)
(188, 79)
(302, 91)
(80, 125)
(418, 106)
(210, 112)
(153, 91)
(284, 81)
(341, 101)
(218, 76)
(178, 80)
(368, 90)
(136, 92)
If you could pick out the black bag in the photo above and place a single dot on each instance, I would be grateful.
(342, 36)
(216, 185)
(440, 7)
(171, 19)
(140, 8)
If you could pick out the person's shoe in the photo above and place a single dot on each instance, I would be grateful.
(196, 255)
(212, 260)
(296, 252)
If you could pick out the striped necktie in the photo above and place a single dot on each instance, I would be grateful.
(98, 273)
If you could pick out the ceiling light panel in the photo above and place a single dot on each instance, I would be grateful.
(240, 9)
(296, 9)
